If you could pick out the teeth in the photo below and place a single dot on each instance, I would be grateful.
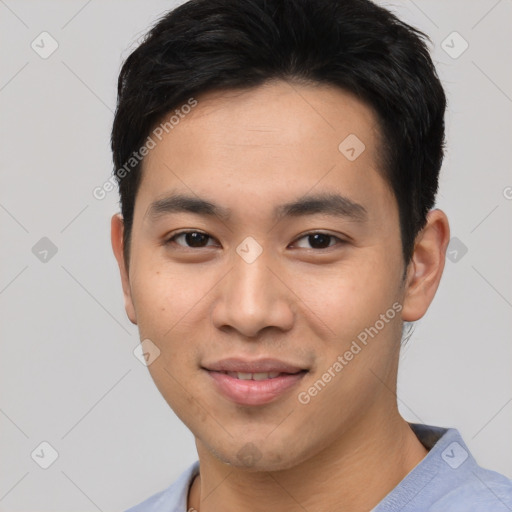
(261, 376)
(254, 376)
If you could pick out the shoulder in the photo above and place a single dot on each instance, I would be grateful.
(482, 490)
(171, 499)
(448, 479)
(155, 502)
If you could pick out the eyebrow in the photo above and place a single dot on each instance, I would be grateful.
(326, 203)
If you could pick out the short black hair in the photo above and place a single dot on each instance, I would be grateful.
(356, 45)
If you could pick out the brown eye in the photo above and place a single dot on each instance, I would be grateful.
(319, 240)
(192, 239)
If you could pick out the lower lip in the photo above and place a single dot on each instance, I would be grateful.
(254, 392)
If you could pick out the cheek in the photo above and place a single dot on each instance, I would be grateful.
(167, 300)
(348, 298)
(168, 304)
(174, 386)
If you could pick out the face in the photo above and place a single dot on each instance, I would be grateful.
(277, 317)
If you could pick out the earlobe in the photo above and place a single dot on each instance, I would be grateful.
(427, 265)
(116, 236)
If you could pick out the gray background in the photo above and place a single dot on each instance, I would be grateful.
(68, 373)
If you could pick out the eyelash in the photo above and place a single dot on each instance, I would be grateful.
(172, 239)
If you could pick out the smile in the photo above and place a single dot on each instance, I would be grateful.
(252, 389)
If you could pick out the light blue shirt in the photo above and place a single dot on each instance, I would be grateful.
(448, 479)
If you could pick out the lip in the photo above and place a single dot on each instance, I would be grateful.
(234, 364)
(254, 392)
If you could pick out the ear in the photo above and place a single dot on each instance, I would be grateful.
(116, 235)
(426, 267)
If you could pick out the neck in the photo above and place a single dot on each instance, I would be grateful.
(352, 474)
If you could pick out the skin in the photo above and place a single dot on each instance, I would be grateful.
(250, 151)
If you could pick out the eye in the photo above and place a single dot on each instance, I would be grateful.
(319, 240)
(197, 239)
(193, 239)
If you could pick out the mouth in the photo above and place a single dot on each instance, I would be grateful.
(253, 383)
(258, 375)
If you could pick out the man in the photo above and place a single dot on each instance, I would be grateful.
(278, 164)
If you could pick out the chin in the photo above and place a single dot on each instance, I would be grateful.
(253, 458)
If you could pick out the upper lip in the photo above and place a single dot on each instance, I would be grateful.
(255, 366)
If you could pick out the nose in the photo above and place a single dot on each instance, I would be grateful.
(253, 296)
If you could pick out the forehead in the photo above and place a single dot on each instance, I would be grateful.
(281, 112)
(271, 143)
